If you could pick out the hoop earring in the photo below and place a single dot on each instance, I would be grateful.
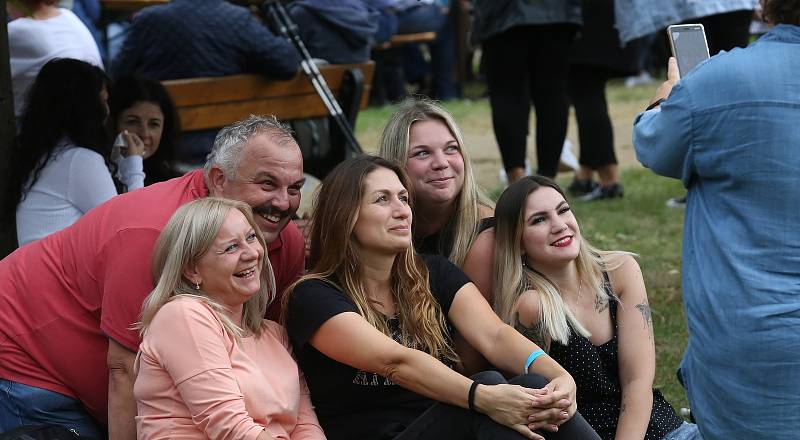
(197, 286)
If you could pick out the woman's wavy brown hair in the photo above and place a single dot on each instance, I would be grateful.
(781, 11)
(334, 258)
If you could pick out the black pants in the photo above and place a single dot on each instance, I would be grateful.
(728, 30)
(524, 65)
(587, 88)
(443, 422)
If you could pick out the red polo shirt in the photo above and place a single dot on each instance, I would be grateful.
(62, 297)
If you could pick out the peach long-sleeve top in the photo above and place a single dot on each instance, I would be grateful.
(194, 381)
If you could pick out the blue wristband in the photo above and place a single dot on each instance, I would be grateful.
(532, 357)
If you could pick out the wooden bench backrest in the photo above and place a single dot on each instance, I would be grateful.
(401, 39)
(204, 103)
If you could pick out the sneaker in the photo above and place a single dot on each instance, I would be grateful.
(677, 202)
(604, 192)
(504, 178)
(568, 161)
(638, 80)
(580, 187)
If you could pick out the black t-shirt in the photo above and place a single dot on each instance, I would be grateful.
(441, 244)
(354, 404)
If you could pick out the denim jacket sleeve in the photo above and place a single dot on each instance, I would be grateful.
(663, 136)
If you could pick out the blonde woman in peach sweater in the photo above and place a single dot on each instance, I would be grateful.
(209, 365)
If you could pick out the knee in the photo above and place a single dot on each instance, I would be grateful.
(488, 378)
(530, 380)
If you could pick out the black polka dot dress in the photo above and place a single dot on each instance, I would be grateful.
(596, 372)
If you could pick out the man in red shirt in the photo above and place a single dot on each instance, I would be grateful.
(68, 301)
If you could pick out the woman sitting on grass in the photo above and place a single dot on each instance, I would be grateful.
(587, 308)
(210, 366)
(449, 206)
(371, 324)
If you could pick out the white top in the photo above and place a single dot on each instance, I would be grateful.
(74, 181)
(32, 43)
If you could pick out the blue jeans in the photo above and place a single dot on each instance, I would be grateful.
(687, 431)
(24, 405)
(426, 18)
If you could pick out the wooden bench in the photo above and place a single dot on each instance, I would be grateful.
(208, 103)
(204, 103)
(401, 39)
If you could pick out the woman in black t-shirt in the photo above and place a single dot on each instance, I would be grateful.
(370, 326)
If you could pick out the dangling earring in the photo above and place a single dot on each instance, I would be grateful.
(524, 263)
(196, 286)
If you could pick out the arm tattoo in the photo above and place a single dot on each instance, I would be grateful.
(535, 333)
(644, 309)
(622, 409)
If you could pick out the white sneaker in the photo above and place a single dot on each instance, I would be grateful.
(638, 80)
(677, 202)
(568, 161)
(504, 178)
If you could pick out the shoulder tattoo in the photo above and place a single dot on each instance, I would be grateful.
(600, 304)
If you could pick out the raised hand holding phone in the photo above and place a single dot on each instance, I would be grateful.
(673, 76)
(689, 46)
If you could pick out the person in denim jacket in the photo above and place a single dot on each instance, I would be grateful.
(637, 18)
(729, 130)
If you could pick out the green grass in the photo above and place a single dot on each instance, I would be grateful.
(467, 112)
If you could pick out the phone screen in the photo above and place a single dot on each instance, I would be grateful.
(689, 46)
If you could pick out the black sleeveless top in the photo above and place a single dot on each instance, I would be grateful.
(596, 373)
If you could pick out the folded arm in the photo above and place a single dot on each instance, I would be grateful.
(417, 371)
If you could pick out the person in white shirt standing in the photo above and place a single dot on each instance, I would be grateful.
(40, 31)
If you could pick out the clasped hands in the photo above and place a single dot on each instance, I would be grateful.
(526, 409)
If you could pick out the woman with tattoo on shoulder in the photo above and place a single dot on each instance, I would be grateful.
(586, 307)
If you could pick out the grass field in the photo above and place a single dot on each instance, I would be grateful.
(638, 223)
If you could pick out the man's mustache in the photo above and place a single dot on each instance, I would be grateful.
(270, 210)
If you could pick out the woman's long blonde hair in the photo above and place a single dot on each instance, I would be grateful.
(187, 236)
(512, 277)
(462, 228)
(334, 258)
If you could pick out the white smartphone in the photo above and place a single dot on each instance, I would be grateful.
(689, 45)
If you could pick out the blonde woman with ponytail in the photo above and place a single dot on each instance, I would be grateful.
(209, 365)
(371, 326)
(586, 307)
